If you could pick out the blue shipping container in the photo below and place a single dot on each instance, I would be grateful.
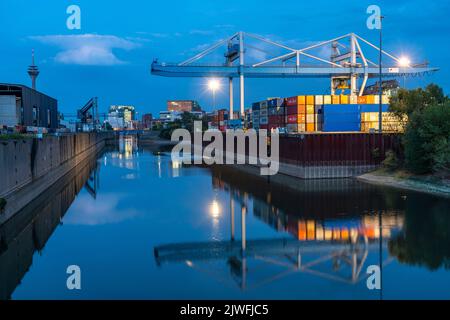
(276, 102)
(255, 106)
(373, 107)
(345, 117)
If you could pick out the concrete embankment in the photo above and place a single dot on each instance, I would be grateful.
(30, 166)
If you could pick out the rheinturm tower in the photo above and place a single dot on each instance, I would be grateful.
(33, 71)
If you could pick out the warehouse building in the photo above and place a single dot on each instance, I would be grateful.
(183, 105)
(21, 105)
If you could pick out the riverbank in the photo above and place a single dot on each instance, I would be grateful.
(403, 180)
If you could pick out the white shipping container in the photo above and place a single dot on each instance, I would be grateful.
(9, 111)
(319, 99)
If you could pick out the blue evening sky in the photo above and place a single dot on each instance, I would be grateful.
(110, 56)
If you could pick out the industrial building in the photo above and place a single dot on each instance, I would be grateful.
(147, 120)
(183, 105)
(23, 106)
(121, 116)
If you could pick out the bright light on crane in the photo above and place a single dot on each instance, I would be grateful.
(213, 84)
(404, 62)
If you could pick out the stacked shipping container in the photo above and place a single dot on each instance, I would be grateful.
(329, 113)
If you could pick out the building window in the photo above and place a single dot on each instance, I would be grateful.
(49, 118)
(35, 115)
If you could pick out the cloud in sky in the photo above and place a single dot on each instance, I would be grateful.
(104, 210)
(88, 49)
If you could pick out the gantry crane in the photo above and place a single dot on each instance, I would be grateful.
(346, 65)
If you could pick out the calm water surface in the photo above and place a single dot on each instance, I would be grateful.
(142, 227)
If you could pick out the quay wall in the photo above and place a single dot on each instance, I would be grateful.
(28, 166)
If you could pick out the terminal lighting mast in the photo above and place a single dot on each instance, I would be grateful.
(33, 71)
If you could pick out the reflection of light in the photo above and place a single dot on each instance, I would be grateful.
(176, 164)
(404, 62)
(214, 209)
(189, 263)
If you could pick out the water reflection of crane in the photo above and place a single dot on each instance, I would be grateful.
(332, 246)
(292, 255)
(93, 182)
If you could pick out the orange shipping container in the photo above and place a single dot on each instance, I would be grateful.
(370, 99)
(301, 100)
(301, 127)
(362, 100)
(309, 99)
(335, 100)
(301, 118)
(301, 109)
(310, 127)
(344, 99)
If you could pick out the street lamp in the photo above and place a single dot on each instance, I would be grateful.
(213, 85)
(405, 63)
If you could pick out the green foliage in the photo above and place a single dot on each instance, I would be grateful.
(426, 140)
(186, 122)
(425, 239)
(406, 102)
(14, 136)
(391, 161)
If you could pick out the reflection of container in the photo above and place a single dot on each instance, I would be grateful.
(301, 230)
(310, 230)
(319, 232)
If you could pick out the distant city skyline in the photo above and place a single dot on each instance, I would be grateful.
(112, 60)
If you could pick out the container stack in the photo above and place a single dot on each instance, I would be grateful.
(310, 114)
(296, 114)
(263, 114)
(390, 123)
(219, 119)
(255, 115)
(329, 113)
(276, 114)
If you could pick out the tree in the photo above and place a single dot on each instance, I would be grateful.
(406, 102)
(426, 139)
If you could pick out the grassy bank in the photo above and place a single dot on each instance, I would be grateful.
(434, 184)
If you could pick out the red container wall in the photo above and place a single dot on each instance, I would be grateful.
(336, 149)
